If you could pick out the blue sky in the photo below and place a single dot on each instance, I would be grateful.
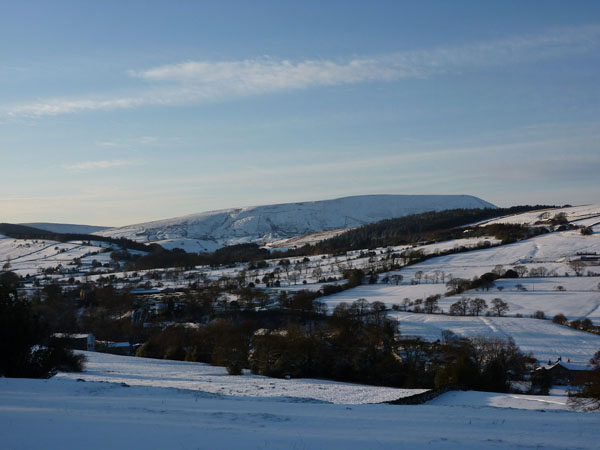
(120, 112)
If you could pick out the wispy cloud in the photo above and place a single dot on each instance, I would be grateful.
(266, 74)
(90, 165)
(132, 142)
(202, 81)
(56, 106)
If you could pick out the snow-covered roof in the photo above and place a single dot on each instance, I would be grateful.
(566, 365)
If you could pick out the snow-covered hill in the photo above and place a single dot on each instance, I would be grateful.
(275, 222)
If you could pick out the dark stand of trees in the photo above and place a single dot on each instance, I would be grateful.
(358, 343)
(179, 258)
(26, 348)
(429, 226)
(587, 397)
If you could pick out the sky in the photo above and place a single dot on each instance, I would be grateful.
(113, 112)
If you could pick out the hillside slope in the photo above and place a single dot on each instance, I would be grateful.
(65, 227)
(274, 222)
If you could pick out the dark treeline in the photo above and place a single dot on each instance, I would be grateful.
(357, 343)
(442, 225)
(232, 254)
(26, 347)
(24, 232)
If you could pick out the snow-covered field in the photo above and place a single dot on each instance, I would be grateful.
(189, 245)
(575, 214)
(575, 297)
(493, 399)
(390, 294)
(543, 338)
(215, 380)
(29, 256)
(63, 413)
(300, 241)
(550, 250)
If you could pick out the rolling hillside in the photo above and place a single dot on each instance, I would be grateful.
(269, 223)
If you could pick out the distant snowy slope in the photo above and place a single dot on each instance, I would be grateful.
(274, 222)
(65, 227)
(586, 215)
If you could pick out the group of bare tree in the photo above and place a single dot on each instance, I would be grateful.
(476, 306)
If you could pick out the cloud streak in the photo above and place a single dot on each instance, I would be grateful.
(93, 165)
(194, 82)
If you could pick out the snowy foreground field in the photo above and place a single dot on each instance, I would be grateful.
(152, 411)
(215, 380)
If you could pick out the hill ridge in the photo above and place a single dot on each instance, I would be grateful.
(268, 223)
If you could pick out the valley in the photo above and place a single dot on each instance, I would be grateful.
(264, 334)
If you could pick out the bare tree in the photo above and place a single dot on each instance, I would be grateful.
(417, 277)
(458, 284)
(577, 266)
(285, 263)
(430, 305)
(294, 276)
(397, 279)
(360, 307)
(317, 273)
(378, 312)
(560, 319)
(476, 306)
(587, 397)
(539, 315)
(521, 270)
(498, 270)
(241, 278)
(499, 306)
(540, 271)
(460, 307)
